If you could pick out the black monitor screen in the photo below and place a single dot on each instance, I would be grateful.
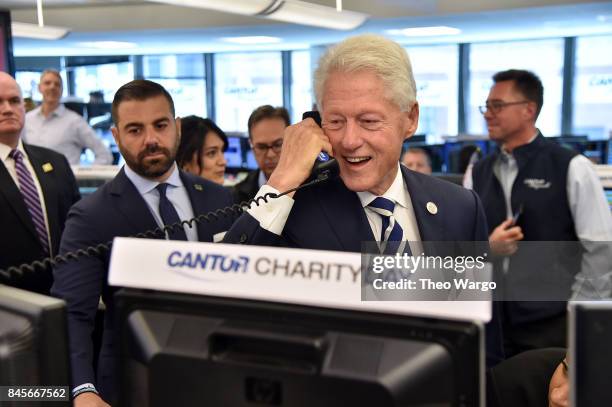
(33, 340)
(590, 358)
(188, 350)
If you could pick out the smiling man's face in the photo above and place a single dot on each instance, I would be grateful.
(366, 129)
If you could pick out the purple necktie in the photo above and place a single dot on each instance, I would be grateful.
(30, 197)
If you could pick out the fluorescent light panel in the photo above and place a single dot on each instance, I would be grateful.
(432, 31)
(26, 30)
(290, 11)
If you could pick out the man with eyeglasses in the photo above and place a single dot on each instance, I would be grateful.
(266, 128)
(533, 189)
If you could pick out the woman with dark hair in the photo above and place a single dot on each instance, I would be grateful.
(201, 149)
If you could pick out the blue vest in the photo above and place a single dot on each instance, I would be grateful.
(540, 188)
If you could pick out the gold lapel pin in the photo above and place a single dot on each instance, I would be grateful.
(47, 167)
(198, 187)
(432, 208)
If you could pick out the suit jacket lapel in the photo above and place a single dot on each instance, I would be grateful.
(345, 215)
(13, 196)
(50, 194)
(431, 226)
(131, 204)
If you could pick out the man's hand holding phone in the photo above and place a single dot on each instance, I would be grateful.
(504, 237)
(302, 144)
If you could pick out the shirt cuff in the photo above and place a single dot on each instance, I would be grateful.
(271, 215)
(84, 388)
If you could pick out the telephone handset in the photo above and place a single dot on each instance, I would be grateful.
(325, 166)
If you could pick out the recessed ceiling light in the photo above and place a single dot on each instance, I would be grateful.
(425, 31)
(252, 40)
(107, 44)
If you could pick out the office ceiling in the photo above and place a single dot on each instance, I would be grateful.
(146, 28)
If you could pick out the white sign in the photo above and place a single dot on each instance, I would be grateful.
(297, 276)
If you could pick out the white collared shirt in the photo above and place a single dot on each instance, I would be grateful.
(403, 212)
(9, 163)
(65, 132)
(176, 193)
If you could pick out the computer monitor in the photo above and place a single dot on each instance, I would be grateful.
(590, 356)
(608, 192)
(188, 350)
(33, 340)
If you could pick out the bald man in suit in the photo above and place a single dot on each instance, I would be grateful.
(37, 188)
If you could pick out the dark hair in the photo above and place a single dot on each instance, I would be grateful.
(527, 83)
(194, 130)
(268, 112)
(139, 89)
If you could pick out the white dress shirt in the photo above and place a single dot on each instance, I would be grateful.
(176, 193)
(65, 132)
(9, 163)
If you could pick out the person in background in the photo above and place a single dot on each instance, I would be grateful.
(535, 190)
(53, 126)
(417, 160)
(29, 104)
(266, 129)
(201, 149)
(37, 188)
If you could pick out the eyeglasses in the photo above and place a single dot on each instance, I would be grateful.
(496, 107)
(261, 148)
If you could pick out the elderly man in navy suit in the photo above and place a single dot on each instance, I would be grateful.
(150, 191)
(366, 94)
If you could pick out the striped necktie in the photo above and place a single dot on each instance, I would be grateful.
(392, 235)
(28, 190)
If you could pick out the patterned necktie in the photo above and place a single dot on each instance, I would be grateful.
(31, 199)
(168, 214)
(392, 234)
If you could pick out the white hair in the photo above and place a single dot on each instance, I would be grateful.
(370, 52)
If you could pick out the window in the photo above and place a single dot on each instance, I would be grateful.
(435, 69)
(593, 87)
(542, 57)
(183, 76)
(245, 81)
(106, 78)
(301, 85)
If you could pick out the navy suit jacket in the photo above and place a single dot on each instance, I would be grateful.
(115, 209)
(328, 216)
(19, 243)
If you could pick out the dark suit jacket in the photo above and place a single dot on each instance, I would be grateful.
(115, 209)
(247, 188)
(329, 216)
(19, 241)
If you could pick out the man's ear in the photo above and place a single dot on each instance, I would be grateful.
(115, 134)
(531, 109)
(411, 121)
(177, 122)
